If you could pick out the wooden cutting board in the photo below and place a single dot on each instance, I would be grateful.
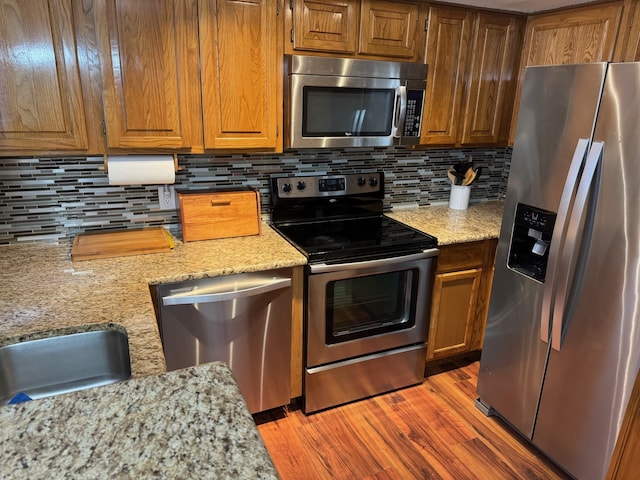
(89, 246)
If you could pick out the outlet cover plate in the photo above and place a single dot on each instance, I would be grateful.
(167, 197)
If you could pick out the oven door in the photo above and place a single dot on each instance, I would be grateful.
(364, 307)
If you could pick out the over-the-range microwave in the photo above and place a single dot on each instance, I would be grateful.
(341, 102)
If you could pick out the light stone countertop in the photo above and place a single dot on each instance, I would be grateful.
(190, 423)
(481, 221)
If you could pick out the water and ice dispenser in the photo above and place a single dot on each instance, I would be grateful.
(530, 240)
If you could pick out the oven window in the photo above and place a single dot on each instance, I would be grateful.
(340, 112)
(369, 305)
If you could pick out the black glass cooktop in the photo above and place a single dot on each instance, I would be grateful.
(366, 237)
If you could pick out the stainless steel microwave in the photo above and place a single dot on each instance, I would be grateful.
(341, 102)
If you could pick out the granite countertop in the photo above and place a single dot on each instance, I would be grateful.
(190, 423)
(481, 221)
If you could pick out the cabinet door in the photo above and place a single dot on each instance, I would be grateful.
(453, 315)
(447, 46)
(149, 62)
(577, 35)
(489, 81)
(41, 104)
(325, 25)
(241, 54)
(388, 29)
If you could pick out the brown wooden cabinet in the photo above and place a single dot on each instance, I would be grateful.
(368, 28)
(460, 298)
(389, 29)
(490, 85)
(241, 55)
(446, 57)
(472, 56)
(41, 99)
(150, 74)
(577, 35)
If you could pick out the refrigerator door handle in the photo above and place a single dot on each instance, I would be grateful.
(559, 235)
(573, 247)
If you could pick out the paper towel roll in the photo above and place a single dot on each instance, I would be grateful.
(141, 169)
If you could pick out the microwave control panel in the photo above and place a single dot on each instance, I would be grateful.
(415, 102)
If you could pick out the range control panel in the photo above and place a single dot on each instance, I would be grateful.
(312, 186)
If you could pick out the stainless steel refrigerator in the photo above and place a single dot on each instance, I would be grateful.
(562, 344)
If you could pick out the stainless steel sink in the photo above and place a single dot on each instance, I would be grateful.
(64, 363)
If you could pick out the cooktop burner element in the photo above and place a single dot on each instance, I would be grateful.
(339, 217)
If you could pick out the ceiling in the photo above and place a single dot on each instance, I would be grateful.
(524, 6)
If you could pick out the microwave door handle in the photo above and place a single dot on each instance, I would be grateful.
(401, 111)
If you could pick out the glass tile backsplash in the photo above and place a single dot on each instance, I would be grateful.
(53, 199)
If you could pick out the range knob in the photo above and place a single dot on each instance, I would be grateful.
(362, 181)
(286, 187)
(301, 185)
(373, 181)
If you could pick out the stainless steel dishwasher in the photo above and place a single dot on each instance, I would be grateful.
(243, 320)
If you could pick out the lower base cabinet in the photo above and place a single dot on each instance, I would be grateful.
(460, 299)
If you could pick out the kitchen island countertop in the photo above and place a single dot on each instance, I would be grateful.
(189, 423)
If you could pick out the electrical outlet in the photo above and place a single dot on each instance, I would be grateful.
(167, 197)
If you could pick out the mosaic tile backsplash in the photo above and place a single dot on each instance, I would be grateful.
(54, 199)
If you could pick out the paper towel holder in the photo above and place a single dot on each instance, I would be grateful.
(105, 164)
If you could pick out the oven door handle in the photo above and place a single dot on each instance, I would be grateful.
(325, 268)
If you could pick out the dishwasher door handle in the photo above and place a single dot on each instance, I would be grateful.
(191, 298)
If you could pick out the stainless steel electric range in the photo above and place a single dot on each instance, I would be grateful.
(367, 286)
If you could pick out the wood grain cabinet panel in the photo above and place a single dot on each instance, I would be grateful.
(41, 103)
(627, 47)
(388, 28)
(150, 73)
(447, 47)
(241, 55)
(490, 85)
(460, 301)
(325, 25)
(625, 462)
(455, 296)
(472, 58)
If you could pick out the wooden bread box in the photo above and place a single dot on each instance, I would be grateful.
(207, 215)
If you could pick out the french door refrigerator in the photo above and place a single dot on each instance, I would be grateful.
(562, 344)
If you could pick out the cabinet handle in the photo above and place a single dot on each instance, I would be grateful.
(220, 203)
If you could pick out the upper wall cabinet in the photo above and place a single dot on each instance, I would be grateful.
(241, 54)
(472, 57)
(150, 74)
(41, 102)
(578, 35)
(384, 29)
(389, 29)
(447, 49)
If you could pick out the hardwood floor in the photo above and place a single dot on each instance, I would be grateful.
(429, 431)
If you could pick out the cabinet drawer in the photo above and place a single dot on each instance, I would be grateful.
(210, 215)
(461, 256)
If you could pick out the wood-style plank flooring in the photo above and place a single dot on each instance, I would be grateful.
(431, 431)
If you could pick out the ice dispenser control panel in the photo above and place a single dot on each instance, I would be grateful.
(530, 240)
